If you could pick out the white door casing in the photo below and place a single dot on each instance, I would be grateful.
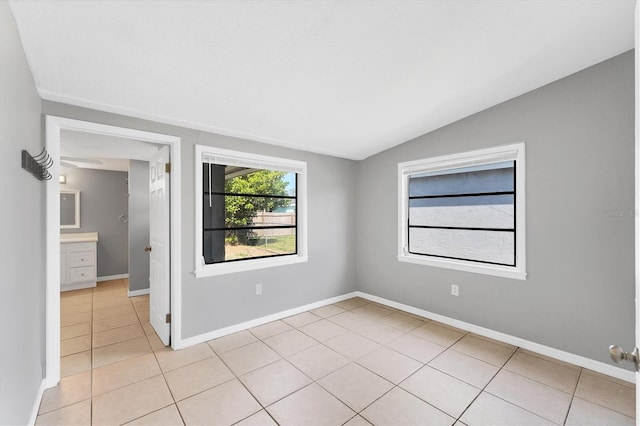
(637, 188)
(159, 241)
(54, 127)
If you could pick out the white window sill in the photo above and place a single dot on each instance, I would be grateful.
(495, 270)
(247, 265)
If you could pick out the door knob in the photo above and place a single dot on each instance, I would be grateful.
(618, 355)
(147, 249)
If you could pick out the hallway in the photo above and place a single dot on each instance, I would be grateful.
(106, 343)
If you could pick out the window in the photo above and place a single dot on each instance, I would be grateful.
(250, 211)
(465, 211)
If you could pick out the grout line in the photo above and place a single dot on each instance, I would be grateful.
(92, 294)
(575, 388)
(159, 367)
(368, 405)
(573, 395)
(180, 413)
(377, 320)
(272, 418)
(541, 383)
(485, 387)
(512, 403)
(354, 361)
(161, 373)
(236, 377)
(614, 380)
(294, 366)
(424, 364)
(594, 402)
(522, 408)
(154, 411)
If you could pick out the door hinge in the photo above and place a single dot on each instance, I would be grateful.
(168, 319)
(167, 167)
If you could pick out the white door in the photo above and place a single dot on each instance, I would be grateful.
(159, 245)
(637, 191)
(617, 353)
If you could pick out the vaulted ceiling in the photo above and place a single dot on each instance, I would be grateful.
(346, 78)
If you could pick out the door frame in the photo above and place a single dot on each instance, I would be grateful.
(54, 126)
(637, 188)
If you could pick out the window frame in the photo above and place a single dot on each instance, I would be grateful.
(244, 159)
(514, 152)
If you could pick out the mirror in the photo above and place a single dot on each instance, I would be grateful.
(70, 209)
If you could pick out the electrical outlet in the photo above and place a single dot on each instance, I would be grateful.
(455, 291)
(258, 289)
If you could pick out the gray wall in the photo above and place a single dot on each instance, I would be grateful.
(22, 233)
(579, 293)
(103, 199)
(215, 302)
(138, 224)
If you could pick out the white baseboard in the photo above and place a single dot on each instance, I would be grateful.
(36, 403)
(578, 360)
(112, 277)
(260, 321)
(600, 367)
(140, 292)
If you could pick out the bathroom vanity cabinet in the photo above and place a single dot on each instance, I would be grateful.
(78, 260)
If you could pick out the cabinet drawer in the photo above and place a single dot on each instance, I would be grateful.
(86, 258)
(80, 247)
(87, 273)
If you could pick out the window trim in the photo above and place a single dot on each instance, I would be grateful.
(473, 158)
(244, 159)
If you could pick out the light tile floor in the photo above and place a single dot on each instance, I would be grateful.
(353, 363)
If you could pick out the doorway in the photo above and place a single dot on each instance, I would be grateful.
(55, 128)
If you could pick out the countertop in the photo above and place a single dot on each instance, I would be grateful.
(80, 237)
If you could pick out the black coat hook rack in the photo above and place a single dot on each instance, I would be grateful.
(37, 165)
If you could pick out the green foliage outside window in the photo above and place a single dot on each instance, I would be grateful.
(241, 209)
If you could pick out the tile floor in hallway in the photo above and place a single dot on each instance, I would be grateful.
(353, 362)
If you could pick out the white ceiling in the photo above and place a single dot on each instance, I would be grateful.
(347, 78)
(112, 153)
(115, 164)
